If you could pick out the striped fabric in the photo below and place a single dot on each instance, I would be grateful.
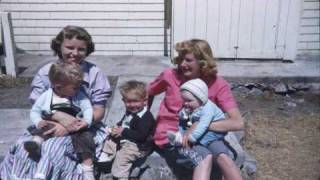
(58, 160)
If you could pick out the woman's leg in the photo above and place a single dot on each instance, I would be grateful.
(58, 159)
(16, 163)
(229, 170)
(221, 158)
(203, 170)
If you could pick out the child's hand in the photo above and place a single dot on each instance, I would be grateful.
(42, 124)
(185, 140)
(108, 130)
(116, 131)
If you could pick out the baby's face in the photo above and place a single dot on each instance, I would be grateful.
(133, 102)
(66, 90)
(189, 101)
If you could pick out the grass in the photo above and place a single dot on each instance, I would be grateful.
(12, 82)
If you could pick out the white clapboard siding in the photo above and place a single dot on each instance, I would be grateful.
(83, 1)
(309, 34)
(121, 27)
(264, 29)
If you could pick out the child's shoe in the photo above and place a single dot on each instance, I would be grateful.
(88, 173)
(34, 150)
(175, 138)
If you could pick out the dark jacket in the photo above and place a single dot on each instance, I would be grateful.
(140, 131)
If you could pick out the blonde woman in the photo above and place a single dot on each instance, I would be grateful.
(195, 60)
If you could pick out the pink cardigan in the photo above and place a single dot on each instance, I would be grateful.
(169, 81)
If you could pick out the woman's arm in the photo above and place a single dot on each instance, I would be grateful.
(98, 113)
(233, 122)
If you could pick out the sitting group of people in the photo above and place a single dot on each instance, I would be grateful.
(69, 96)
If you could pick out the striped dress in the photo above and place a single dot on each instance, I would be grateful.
(58, 159)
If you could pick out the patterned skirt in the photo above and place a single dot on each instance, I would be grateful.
(58, 159)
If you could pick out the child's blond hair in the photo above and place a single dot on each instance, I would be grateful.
(65, 73)
(137, 87)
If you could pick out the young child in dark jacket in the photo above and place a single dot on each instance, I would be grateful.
(131, 138)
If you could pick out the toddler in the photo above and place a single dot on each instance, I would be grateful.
(131, 138)
(68, 106)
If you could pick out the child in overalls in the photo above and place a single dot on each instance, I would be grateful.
(61, 103)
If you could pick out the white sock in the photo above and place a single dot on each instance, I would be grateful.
(175, 138)
(39, 140)
(87, 172)
(178, 139)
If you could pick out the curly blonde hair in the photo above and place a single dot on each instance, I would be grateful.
(201, 51)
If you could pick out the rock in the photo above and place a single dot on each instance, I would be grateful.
(256, 92)
(250, 85)
(291, 104)
(234, 143)
(280, 88)
(250, 165)
(242, 89)
(301, 86)
(291, 89)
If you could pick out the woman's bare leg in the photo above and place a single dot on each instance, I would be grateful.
(203, 170)
(229, 169)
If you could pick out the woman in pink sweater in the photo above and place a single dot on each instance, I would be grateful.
(195, 60)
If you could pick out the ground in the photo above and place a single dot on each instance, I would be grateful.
(281, 131)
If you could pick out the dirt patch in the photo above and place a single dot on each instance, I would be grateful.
(282, 131)
(14, 92)
(283, 134)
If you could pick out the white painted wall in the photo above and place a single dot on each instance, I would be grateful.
(118, 27)
(264, 29)
(309, 34)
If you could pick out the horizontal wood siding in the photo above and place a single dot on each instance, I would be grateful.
(309, 35)
(118, 27)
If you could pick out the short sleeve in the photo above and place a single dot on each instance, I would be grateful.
(100, 89)
(40, 83)
(224, 98)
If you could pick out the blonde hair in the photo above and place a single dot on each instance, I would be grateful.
(137, 87)
(65, 73)
(201, 51)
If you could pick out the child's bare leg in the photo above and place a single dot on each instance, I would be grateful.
(229, 170)
(63, 118)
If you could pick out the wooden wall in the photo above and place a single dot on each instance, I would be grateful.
(309, 35)
(118, 27)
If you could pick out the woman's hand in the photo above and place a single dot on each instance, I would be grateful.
(57, 130)
(80, 124)
(42, 124)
